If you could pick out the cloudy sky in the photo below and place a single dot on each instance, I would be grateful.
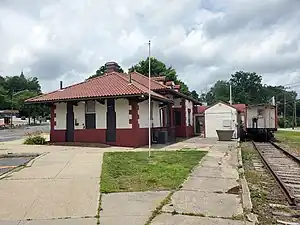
(205, 40)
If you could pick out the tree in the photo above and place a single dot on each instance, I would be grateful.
(219, 92)
(195, 95)
(101, 71)
(247, 87)
(16, 89)
(158, 68)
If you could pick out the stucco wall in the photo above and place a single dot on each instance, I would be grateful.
(79, 115)
(61, 115)
(143, 114)
(101, 115)
(189, 105)
(122, 108)
(177, 103)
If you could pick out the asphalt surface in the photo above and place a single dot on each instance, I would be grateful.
(19, 133)
(9, 163)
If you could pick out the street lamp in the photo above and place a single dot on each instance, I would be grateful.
(11, 111)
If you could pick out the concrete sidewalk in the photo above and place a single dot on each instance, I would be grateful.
(211, 195)
(60, 187)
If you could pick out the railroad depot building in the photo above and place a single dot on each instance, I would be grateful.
(113, 109)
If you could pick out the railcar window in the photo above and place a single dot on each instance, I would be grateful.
(260, 112)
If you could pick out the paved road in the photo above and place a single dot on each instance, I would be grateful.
(18, 133)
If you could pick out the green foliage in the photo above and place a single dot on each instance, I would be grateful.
(35, 138)
(15, 90)
(158, 68)
(101, 71)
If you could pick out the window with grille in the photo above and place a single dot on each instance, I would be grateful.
(90, 115)
(90, 107)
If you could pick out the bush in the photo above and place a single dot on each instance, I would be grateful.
(35, 138)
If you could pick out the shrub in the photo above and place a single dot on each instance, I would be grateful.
(35, 138)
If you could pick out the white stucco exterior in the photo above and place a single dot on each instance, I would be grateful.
(189, 105)
(122, 108)
(177, 103)
(79, 115)
(101, 115)
(220, 117)
(60, 119)
(143, 114)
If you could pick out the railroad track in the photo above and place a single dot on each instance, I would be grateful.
(285, 168)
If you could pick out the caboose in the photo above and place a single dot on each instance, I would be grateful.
(260, 122)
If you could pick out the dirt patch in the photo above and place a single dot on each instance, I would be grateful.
(265, 192)
(234, 191)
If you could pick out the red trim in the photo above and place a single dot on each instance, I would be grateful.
(57, 135)
(124, 137)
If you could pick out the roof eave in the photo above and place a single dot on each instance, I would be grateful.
(92, 98)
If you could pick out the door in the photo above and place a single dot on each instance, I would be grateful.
(110, 121)
(70, 123)
(198, 124)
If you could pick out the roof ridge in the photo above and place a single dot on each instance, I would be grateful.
(124, 78)
(142, 75)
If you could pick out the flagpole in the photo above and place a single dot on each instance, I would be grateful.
(149, 104)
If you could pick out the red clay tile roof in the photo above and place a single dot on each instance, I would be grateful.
(201, 108)
(160, 78)
(111, 84)
(238, 107)
(140, 78)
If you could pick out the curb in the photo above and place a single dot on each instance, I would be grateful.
(246, 197)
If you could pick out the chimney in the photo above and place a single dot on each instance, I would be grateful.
(111, 67)
(61, 85)
(129, 78)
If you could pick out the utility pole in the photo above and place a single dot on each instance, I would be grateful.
(230, 94)
(295, 113)
(284, 109)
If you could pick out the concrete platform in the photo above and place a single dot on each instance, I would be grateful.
(216, 172)
(60, 184)
(209, 184)
(129, 208)
(77, 221)
(208, 204)
(168, 219)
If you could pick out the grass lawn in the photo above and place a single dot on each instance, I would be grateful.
(291, 138)
(134, 171)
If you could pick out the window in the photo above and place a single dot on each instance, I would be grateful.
(177, 117)
(260, 112)
(226, 123)
(90, 115)
(90, 107)
(90, 121)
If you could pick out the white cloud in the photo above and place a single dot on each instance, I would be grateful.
(204, 40)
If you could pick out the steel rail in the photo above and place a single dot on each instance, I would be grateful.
(290, 197)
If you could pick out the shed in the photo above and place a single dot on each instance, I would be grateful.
(220, 116)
